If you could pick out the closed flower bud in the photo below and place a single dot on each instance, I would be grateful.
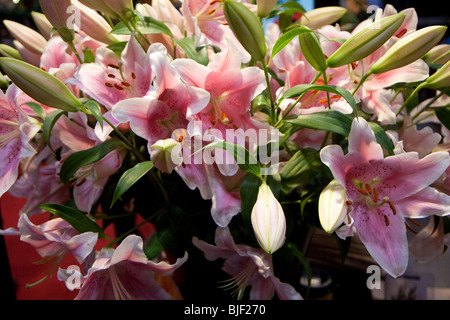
(366, 41)
(30, 39)
(57, 13)
(264, 7)
(311, 49)
(440, 54)
(43, 25)
(10, 52)
(166, 154)
(117, 9)
(247, 28)
(320, 17)
(40, 85)
(94, 25)
(409, 49)
(332, 206)
(268, 220)
(441, 78)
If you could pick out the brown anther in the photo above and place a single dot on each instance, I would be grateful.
(355, 81)
(118, 87)
(411, 229)
(225, 119)
(375, 195)
(125, 84)
(415, 222)
(213, 2)
(368, 188)
(354, 65)
(212, 11)
(386, 221)
(111, 76)
(362, 191)
(392, 207)
(42, 68)
(133, 75)
(225, 23)
(109, 85)
(348, 202)
(401, 33)
(113, 66)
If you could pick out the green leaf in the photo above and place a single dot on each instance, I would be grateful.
(382, 138)
(300, 169)
(330, 120)
(146, 26)
(301, 88)
(37, 109)
(129, 178)
(197, 54)
(95, 110)
(245, 160)
(75, 217)
(83, 158)
(49, 123)
(118, 47)
(443, 115)
(284, 39)
(249, 193)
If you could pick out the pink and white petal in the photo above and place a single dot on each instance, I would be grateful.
(376, 102)
(192, 72)
(333, 157)
(130, 249)
(388, 245)
(284, 290)
(9, 165)
(225, 205)
(424, 203)
(362, 140)
(81, 245)
(405, 174)
(165, 268)
(416, 71)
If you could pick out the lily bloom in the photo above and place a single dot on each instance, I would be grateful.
(248, 267)
(382, 192)
(16, 131)
(124, 273)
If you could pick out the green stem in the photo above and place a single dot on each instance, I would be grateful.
(427, 105)
(364, 78)
(325, 80)
(298, 100)
(269, 92)
(72, 47)
(417, 89)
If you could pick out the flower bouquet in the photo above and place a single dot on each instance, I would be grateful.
(212, 134)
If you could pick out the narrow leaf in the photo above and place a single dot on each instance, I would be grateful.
(129, 178)
(49, 123)
(284, 40)
(37, 109)
(146, 26)
(331, 120)
(301, 88)
(96, 111)
(76, 218)
(382, 138)
(245, 160)
(83, 158)
(199, 55)
(443, 115)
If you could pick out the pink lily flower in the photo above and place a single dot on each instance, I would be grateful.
(76, 135)
(248, 267)
(111, 79)
(39, 182)
(206, 21)
(54, 239)
(124, 273)
(16, 131)
(384, 191)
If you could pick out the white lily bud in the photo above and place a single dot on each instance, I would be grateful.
(264, 7)
(409, 48)
(44, 26)
(440, 54)
(268, 220)
(166, 154)
(441, 78)
(320, 17)
(29, 38)
(117, 9)
(57, 13)
(332, 206)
